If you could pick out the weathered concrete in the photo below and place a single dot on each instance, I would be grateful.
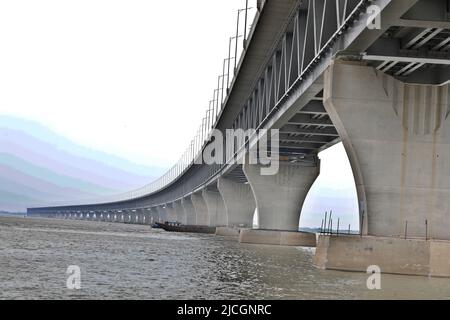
(181, 216)
(216, 208)
(277, 237)
(189, 211)
(392, 255)
(397, 137)
(239, 203)
(201, 210)
(280, 197)
(228, 232)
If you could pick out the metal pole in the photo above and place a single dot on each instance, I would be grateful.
(426, 230)
(325, 224)
(237, 37)
(337, 230)
(330, 226)
(245, 30)
(349, 228)
(229, 62)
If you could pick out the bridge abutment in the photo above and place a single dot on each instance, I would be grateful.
(279, 200)
(397, 137)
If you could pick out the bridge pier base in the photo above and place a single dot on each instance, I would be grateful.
(391, 255)
(216, 208)
(279, 200)
(397, 138)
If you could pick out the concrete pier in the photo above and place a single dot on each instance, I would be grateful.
(181, 216)
(162, 213)
(216, 208)
(280, 197)
(397, 137)
(279, 200)
(172, 215)
(239, 203)
(189, 211)
(201, 210)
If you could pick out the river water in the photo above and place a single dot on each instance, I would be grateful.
(120, 261)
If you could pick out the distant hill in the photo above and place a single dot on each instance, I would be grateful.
(39, 167)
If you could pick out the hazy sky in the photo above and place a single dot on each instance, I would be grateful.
(132, 78)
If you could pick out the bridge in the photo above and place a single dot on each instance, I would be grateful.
(373, 75)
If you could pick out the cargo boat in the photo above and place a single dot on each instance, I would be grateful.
(177, 227)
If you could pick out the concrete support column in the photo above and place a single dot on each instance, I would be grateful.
(280, 197)
(189, 211)
(239, 203)
(133, 214)
(397, 138)
(201, 210)
(141, 217)
(126, 216)
(171, 212)
(216, 208)
(162, 214)
(279, 201)
(154, 215)
(181, 216)
(147, 216)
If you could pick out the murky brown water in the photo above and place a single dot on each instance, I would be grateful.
(134, 262)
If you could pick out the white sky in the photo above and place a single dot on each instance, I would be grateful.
(132, 78)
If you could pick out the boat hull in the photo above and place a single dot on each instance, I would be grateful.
(187, 228)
